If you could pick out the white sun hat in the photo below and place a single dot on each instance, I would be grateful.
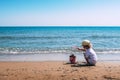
(86, 43)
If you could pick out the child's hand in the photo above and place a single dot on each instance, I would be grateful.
(80, 49)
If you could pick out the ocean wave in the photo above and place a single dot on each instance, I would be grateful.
(107, 51)
(103, 36)
(34, 51)
(56, 51)
(32, 37)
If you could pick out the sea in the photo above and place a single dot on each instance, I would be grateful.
(56, 43)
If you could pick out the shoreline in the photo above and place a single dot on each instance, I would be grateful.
(56, 57)
(58, 70)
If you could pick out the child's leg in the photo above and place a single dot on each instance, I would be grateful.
(92, 62)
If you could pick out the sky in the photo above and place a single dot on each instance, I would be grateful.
(59, 12)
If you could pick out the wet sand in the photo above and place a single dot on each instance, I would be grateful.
(58, 70)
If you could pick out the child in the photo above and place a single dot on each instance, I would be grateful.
(89, 54)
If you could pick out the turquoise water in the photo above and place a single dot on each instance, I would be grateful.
(57, 39)
(43, 40)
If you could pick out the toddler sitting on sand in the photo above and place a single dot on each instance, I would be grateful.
(90, 55)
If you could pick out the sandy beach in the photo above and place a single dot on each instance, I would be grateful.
(52, 70)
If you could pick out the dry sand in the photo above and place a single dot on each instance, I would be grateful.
(58, 71)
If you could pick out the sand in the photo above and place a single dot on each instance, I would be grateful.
(58, 70)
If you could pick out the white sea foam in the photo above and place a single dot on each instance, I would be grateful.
(53, 51)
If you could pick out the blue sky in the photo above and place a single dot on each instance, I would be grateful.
(59, 12)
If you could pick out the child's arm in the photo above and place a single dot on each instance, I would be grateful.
(81, 49)
(87, 60)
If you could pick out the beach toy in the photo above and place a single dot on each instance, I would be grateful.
(72, 59)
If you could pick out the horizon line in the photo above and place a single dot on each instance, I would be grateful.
(60, 25)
